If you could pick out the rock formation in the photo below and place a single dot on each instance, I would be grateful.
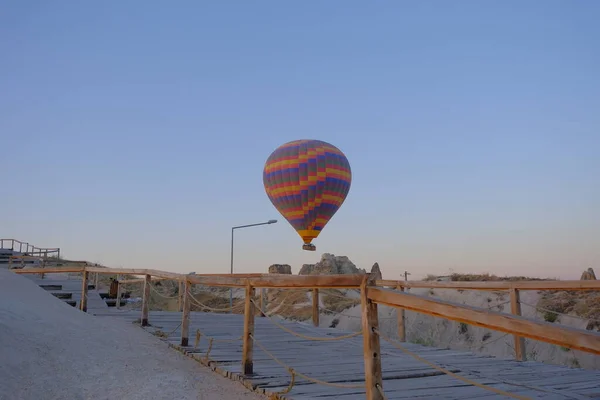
(331, 265)
(588, 275)
(376, 272)
(280, 269)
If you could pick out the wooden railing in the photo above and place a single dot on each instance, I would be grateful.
(22, 259)
(23, 247)
(13, 261)
(512, 287)
(494, 285)
(372, 293)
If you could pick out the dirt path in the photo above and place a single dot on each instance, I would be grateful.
(49, 350)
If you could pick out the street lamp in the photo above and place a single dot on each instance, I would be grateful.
(271, 221)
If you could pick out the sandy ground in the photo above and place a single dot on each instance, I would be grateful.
(49, 350)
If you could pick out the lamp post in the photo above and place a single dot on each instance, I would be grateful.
(271, 221)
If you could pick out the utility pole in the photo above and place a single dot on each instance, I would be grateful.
(271, 221)
(400, 312)
(406, 274)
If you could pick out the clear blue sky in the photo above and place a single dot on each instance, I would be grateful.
(135, 133)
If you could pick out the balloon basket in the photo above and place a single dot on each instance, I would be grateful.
(309, 247)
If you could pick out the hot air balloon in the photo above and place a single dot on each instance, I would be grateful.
(307, 181)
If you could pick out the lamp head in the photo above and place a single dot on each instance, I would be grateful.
(272, 221)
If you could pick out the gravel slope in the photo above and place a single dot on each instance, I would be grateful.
(49, 350)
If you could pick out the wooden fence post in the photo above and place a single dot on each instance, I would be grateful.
(257, 298)
(146, 300)
(371, 346)
(118, 303)
(515, 309)
(185, 316)
(84, 291)
(401, 320)
(180, 296)
(315, 306)
(261, 295)
(248, 348)
(266, 299)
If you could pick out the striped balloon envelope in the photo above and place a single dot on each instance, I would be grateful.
(307, 181)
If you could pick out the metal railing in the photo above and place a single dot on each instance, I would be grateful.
(25, 248)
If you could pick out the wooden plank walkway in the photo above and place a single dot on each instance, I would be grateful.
(341, 362)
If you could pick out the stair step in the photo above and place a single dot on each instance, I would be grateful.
(105, 295)
(63, 296)
(113, 302)
(51, 287)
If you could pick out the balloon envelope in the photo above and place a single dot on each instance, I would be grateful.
(307, 181)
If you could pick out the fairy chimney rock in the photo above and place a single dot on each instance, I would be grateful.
(376, 272)
(588, 275)
(280, 269)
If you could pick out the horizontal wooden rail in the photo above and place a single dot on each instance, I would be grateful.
(308, 281)
(255, 275)
(72, 262)
(322, 281)
(281, 281)
(56, 270)
(227, 280)
(25, 258)
(129, 281)
(494, 285)
(183, 277)
(134, 271)
(165, 274)
(241, 280)
(140, 280)
(543, 331)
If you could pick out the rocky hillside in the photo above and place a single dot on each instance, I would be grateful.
(328, 265)
(583, 304)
